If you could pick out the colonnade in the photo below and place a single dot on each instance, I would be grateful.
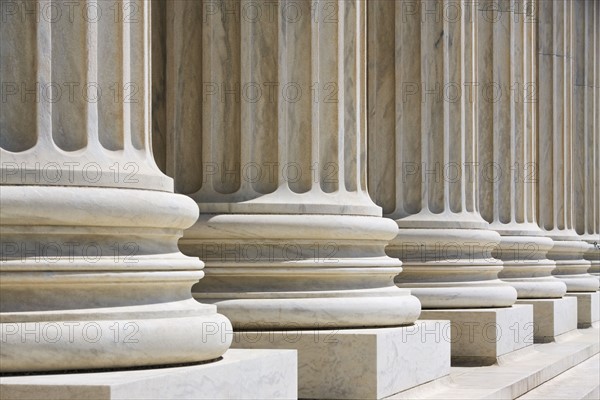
(176, 173)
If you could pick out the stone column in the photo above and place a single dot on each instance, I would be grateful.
(586, 141)
(91, 276)
(270, 142)
(556, 127)
(559, 155)
(586, 146)
(423, 162)
(266, 131)
(508, 144)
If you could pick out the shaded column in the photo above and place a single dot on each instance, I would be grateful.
(91, 276)
(508, 146)
(557, 130)
(266, 132)
(586, 140)
(423, 163)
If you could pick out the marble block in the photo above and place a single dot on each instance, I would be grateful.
(588, 308)
(360, 363)
(240, 374)
(552, 317)
(480, 336)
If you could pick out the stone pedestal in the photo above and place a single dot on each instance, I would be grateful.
(552, 317)
(481, 336)
(360, 363)
(588, 308)
(240, 374)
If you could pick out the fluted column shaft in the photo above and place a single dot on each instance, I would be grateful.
(423, 108)
(90, 273)
(586, 141)
(556, 208)
(266, 131)
(508, 143)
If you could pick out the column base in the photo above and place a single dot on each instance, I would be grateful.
(481, 336)
(588, 308)
(91, 278)
(276, 272)
(448, 268)
(240, 374)
(552, 317)
(359, 363)
(571, 267)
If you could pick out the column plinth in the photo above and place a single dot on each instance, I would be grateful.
(91, 276)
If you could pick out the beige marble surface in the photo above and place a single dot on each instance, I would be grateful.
(552, 317)
(360, 363)
(275, 370)
(588, 308)
(483, 336)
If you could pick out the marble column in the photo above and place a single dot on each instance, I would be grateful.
(424, 169)
(556, 158)
(270, 141)
(265, 129)
(559, 164)
(423, 109)
(586, 141)
(508, 145)
(90, 276)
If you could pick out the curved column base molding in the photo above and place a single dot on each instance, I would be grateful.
(526, 267)
(300, 271)
(451, 268)
(571, 267)
(593, 256)
(115, 337)
(92, 278)
(342, 310)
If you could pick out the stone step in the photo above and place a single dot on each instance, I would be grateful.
(580, 382)
(516, 373)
